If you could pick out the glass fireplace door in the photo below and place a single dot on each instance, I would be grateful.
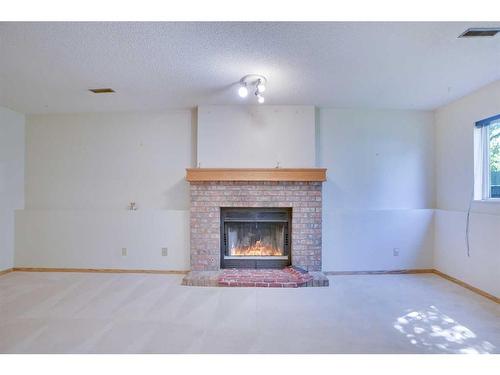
(255, 239)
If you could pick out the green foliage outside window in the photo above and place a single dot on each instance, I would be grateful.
(495, 147)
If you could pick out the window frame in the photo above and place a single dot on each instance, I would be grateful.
(482, 172)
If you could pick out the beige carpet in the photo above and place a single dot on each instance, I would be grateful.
(140, 313)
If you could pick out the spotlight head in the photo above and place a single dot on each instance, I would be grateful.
(253, 84)
(243, 91)
(261, 87)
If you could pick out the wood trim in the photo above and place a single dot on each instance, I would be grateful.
(392, 272)
(5, 272)
(467, 286)
(414, 271)
(256, 174)
(331, 273)
(97, 270)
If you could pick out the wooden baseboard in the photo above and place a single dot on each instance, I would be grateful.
(467, 286)
(425, 270)
(392, 272)
(331, 273)
(98, 270)
(4, 272)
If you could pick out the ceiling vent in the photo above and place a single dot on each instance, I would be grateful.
(479, 32)
(102, 91)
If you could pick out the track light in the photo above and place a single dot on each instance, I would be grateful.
(256, 82)
(261, 87)
(243, 91)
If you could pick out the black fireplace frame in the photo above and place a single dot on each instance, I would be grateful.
(256, 214)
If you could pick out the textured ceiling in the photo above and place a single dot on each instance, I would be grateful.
(48, 67)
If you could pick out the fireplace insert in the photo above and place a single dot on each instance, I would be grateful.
(255, 237)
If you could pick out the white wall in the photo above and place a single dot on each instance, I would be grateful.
(450, 255)
(106, 160)
(95, 238)
(256, 136)
(11, 180)
(82, 170)
(379, 194)
(454, 185)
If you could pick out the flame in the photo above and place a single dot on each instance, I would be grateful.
(258, 249)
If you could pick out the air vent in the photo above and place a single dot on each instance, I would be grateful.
(102, 91)
(479, 32)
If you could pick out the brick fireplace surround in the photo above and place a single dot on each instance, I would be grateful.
(208, 196)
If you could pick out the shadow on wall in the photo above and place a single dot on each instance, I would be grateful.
(430, 328)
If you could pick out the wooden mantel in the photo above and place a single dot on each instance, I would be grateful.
(255, 174)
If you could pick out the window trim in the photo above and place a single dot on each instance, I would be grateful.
(482, 179)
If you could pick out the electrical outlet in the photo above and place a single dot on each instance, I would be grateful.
(124, 251)
(395, 252)
(164, 251)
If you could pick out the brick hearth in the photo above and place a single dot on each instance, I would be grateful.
(207, 197)
(264, 278)
(286, 278)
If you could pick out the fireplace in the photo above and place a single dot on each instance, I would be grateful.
(255, 237)
(289, 196)
(244, 221)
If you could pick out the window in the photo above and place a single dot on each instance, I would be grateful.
(487, 158)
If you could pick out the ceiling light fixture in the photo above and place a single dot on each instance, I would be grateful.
(261, 87)
(257, 82)
(243, 91)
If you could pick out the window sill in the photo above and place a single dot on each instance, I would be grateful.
(489, 200)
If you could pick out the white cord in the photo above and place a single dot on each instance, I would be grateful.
(467, 226)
